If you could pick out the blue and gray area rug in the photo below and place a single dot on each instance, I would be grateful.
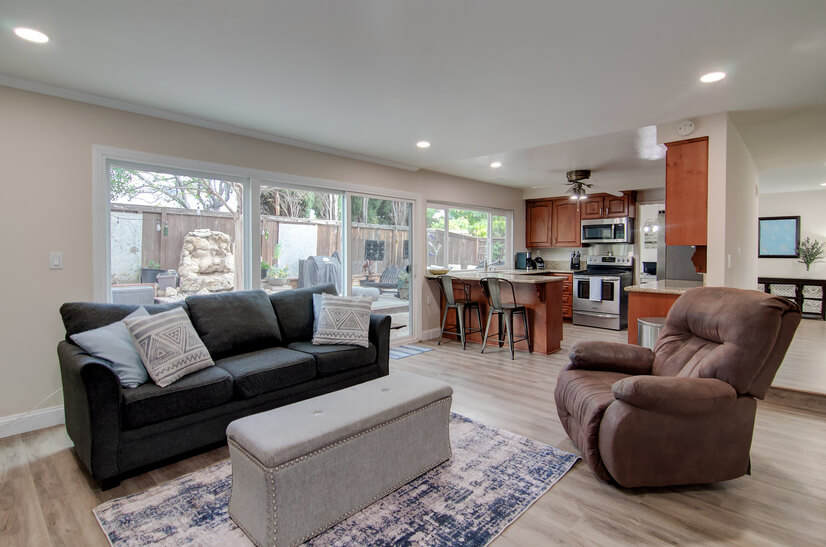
(400, 352)
(492, 478)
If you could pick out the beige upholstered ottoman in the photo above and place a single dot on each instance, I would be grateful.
(299, 469)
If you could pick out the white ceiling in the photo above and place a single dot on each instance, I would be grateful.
(478, 78)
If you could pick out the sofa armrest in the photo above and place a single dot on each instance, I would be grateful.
(91, 403)
(379, 334)
(675, 395)
(611, 356)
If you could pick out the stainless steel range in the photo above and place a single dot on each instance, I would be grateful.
(600, 299)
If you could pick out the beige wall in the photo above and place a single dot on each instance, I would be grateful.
(46, 146)
(741, 213)
(811, 207)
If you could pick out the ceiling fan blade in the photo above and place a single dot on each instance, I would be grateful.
(607, 191)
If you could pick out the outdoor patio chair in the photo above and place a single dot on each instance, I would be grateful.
(388, 281)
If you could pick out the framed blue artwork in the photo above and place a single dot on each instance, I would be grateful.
(778, 237)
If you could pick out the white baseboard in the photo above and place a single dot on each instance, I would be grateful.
(430, 334)
(36, 419)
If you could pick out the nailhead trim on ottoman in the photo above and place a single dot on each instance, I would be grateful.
(300, 469)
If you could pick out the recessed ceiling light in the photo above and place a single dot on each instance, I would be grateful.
(423, 144)
(31, 35)
(712, 77)
(496, 164)
(823, 183)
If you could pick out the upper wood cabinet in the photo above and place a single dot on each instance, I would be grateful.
(686, 192)
(591, 207)
(608, 206)
(566, 227)
(538, 227)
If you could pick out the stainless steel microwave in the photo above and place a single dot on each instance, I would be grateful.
(608, 230)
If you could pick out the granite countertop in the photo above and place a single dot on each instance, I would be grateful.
(513, 278)
(538, 271)
(664, 286)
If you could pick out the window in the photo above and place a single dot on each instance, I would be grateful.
(301, 238)
(463, 238)
(165, 228)
(173, 234)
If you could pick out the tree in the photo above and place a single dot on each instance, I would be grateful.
(165, 189)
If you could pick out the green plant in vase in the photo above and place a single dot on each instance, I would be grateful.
(810, 251)
(265, 268)
(278, 276)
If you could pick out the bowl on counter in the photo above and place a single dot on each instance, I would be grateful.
(438, 271)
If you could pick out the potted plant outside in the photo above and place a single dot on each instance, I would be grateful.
(265, 268)
(278, 277)
(149, 274)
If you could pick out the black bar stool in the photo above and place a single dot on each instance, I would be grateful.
(492, 287)
(461, 305)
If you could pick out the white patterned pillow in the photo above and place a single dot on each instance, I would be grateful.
(343, 320)
(169, 346)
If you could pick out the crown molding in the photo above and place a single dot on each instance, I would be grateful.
(98, 100)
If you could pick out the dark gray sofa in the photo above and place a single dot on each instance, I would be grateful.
(264, 359)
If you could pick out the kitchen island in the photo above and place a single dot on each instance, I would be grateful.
(653, 299)
(540, 294)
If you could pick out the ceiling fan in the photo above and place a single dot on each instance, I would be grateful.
(578, 188)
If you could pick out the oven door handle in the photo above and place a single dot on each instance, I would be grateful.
(594, 314)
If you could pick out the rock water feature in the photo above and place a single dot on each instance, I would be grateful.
(207, 263)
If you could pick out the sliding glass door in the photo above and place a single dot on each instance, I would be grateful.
(380, 256)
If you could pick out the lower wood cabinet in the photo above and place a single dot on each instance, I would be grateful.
(567, 295)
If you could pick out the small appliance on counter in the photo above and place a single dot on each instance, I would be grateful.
(524, 261)
(575, 262)
(599, 295)
(539, 262)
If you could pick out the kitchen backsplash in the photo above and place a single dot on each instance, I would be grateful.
(564, 254)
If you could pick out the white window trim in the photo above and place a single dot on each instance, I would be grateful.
(491, 212)
(253, 179)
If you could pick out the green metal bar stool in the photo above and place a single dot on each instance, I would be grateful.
(461, 305)
(492, 287)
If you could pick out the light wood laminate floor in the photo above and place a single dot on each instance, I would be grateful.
(804, 367)
(46, 499)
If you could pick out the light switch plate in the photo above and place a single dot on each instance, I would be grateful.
(56, 260)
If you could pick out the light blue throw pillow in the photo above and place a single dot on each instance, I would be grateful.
(114, 344)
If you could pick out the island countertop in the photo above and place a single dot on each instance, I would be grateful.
(664, 286)
(512, 277)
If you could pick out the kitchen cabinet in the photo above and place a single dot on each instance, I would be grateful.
(567, 294)
(686, 196)
(538, 226)
(608, 206)
(565, 226)
(686, 192)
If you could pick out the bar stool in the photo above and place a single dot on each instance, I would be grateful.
(461, 305)
(492, 287)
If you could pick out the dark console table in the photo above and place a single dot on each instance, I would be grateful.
(808, 293)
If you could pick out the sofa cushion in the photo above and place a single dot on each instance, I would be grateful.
(343, 320)
(331, 359)
(114, 344)
(295, 311)
(82, 316)
(233, 323)
(581, 399)
(259, 372)
(149, 404)
(168, 345)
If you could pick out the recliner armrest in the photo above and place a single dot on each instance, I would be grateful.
(675, 395)
(611, 356)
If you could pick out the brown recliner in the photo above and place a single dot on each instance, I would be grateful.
(684, 413)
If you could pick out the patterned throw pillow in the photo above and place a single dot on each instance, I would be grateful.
(169, 346)
(343, 320)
